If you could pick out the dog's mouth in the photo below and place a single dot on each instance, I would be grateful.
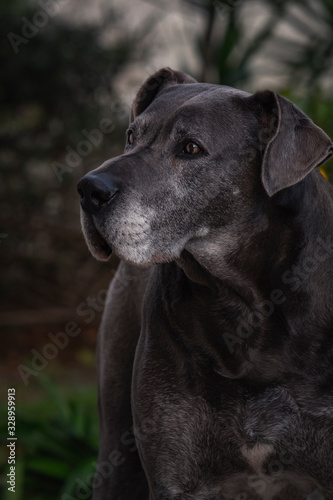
(97, 244)
(102, 244)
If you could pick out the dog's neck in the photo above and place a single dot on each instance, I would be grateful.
(267, 274)
(253, 258)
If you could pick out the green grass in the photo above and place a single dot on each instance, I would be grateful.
(57, 441)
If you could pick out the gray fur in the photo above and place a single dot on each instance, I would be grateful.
(216, 345)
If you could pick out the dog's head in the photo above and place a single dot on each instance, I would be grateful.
(197, 160)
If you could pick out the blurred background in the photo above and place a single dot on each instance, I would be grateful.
(69, 71)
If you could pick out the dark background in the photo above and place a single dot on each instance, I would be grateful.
(65, 68)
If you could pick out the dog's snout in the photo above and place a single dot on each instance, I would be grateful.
(96, 191)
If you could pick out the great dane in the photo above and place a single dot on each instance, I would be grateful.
(216, 344)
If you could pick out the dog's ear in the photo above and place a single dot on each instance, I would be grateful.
(150, 88)
(292, 144)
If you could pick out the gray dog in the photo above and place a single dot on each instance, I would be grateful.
(216, 345)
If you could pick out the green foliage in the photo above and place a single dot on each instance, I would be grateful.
(304, 49)
(56, 443)
(227, 52)
(319, 107)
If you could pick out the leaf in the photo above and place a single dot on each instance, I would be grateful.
(49, 467)
(60, 401)
(82, 472)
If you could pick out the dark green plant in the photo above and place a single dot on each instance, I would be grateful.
(303, 50)
(56, 444)
(226, 52)
(303, 53)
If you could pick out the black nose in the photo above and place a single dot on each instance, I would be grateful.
(96, 190)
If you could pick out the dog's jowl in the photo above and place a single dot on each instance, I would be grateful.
(215, 352)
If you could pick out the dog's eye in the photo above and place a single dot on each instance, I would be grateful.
(130, 137)
(192, 148)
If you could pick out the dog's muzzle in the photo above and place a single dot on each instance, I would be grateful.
(97, 192)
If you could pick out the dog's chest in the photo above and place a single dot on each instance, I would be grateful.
(256, 455)
(242, 444)
(265, 419)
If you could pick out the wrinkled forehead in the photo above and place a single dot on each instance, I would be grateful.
(181, 105)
